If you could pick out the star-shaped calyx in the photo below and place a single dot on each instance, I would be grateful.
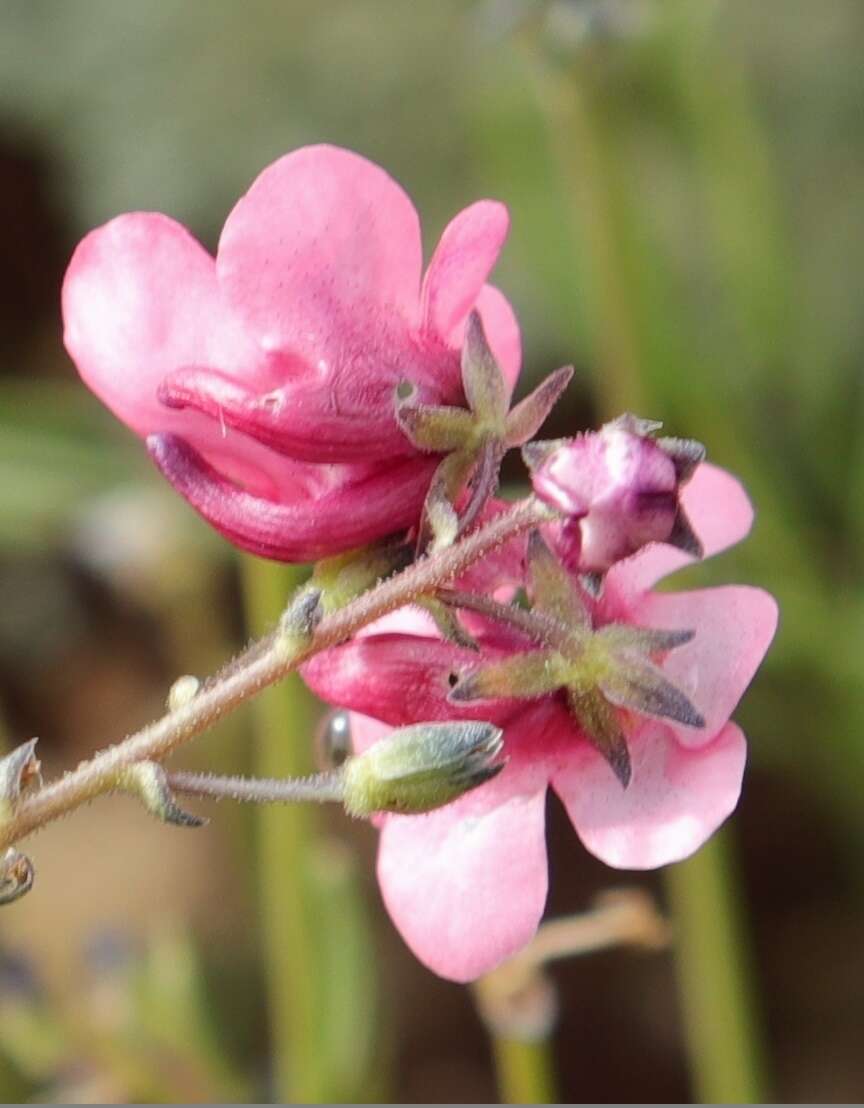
(599, 670)
(474, 438)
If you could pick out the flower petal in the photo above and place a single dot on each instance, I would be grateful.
(721, 515)
(357, 509)
(464, 258)
(141, 299)
(366, 730)
(299, 420)
(322, 260)
(734, 627)
(322, 234)
(466, 885)
(676, 798)
(399, 679)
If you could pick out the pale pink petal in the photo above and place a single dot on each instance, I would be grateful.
(410, 620)
(140, 300)
(466, 885)
(463, 259)
(676, 798)
(366, 730)
(734, 627)
(323, 235)
(721, 515)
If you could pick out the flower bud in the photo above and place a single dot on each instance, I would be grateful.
(17, 770)
(183, 692)
(619, 489)
(416, 769)
(16, 876)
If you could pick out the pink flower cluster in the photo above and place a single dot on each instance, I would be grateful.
(466, 885)
(266, 382)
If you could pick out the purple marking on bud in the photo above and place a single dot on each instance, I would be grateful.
(620, 489)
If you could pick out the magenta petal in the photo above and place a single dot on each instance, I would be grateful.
(340, 518)
(399, 679)
(141, 298)
(721, 515)
(734, 627)
(297, 420)
(676, 798)
(466, 885)
(463, 259)
(323, 240)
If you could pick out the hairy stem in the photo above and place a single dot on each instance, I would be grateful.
(224, 693)
(322, 788)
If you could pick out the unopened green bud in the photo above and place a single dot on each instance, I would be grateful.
(148, 781)
(419, 768)
(343, 577)
(183, 692)
(16, 876)
(299, 620)
(17, 769)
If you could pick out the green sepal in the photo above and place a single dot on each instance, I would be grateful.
(528, 416)
(553, 590)
(686, 455)
(447, 622)
(482, 379)
(148, 781)
(637, 684)
(536, 453)
(531, 674)
(601, 726)
(439, 524)
(434, 428)
(343, 577)
(647, 640)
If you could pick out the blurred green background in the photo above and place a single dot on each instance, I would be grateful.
(685, 180)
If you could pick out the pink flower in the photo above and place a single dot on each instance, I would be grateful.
(466, 885)
(620, 489)
(265, 378)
